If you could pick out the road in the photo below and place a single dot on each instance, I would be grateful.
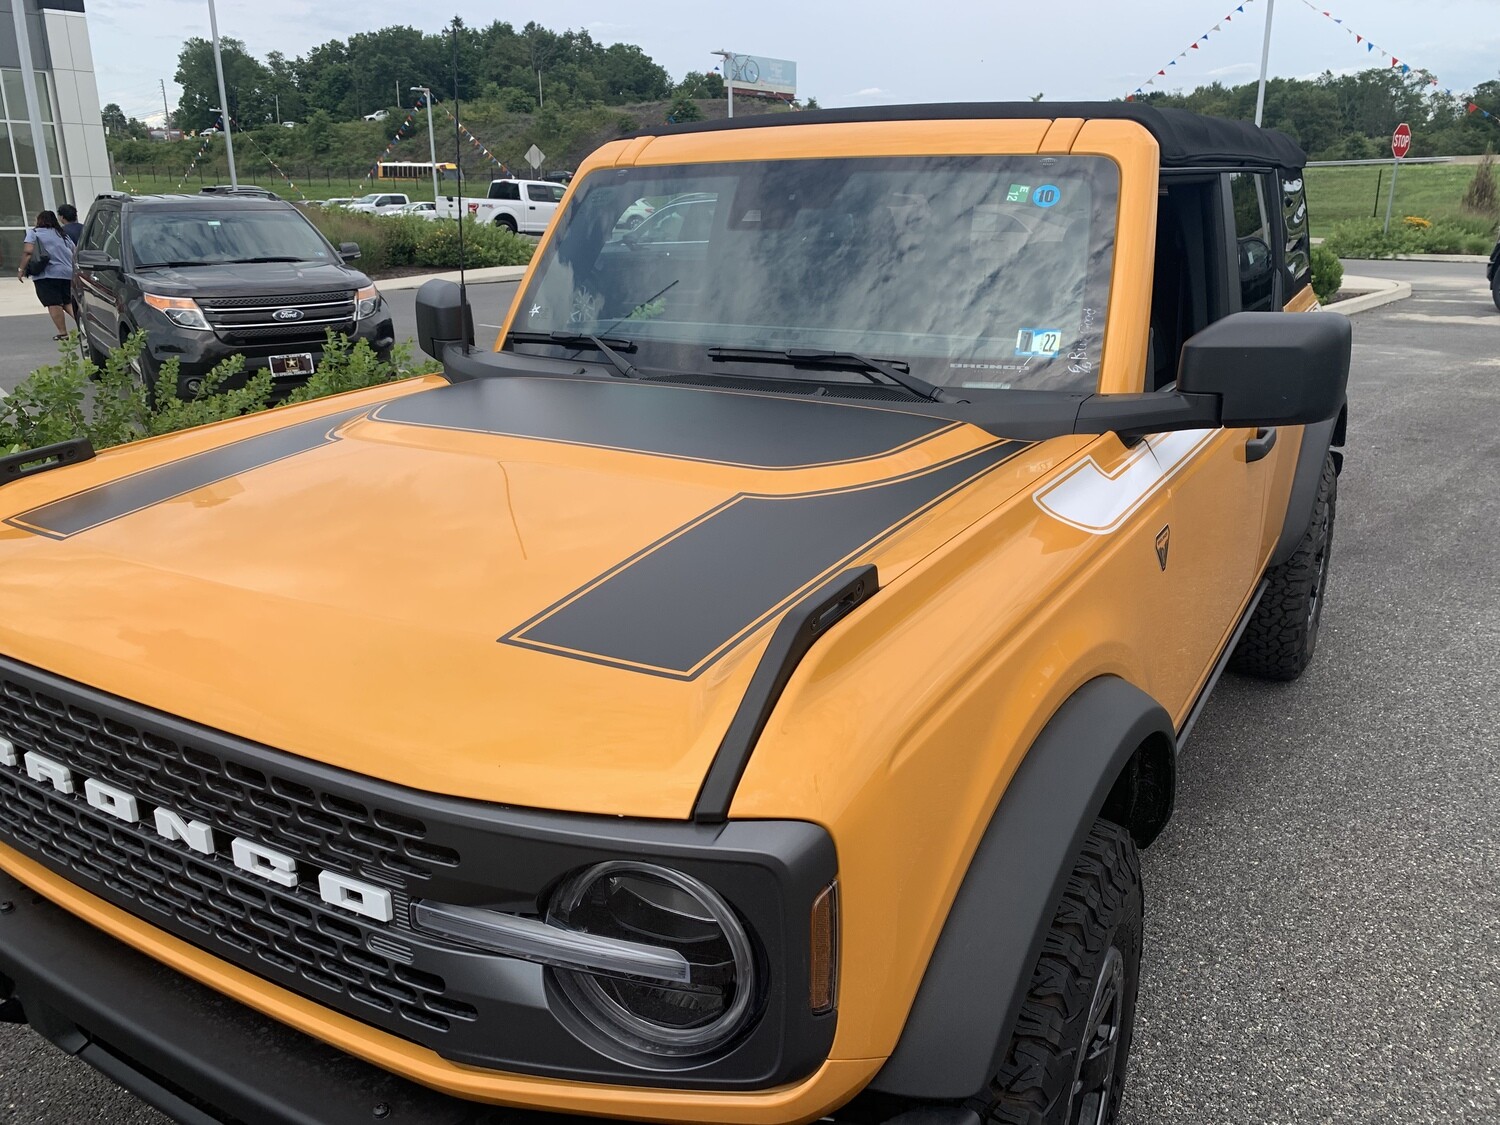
(1323, 913)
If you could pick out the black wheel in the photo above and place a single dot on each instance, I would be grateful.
(1065, 1064)
(507, 222)
(1283, 633)
(1495, 287)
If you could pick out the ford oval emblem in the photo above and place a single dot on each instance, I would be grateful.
(287, 314)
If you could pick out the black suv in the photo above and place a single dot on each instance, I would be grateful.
(218, 274)
(1493, 273)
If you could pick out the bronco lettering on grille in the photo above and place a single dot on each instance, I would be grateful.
(354, 895)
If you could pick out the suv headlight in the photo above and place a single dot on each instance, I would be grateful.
(649, 957)
(181, 311)
(366, 301)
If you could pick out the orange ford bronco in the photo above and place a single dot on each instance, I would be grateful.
(738, 697)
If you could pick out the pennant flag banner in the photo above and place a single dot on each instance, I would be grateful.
(477, 143)
(1396, 64)
(197, 156)
(1193, 46)
(400, 133)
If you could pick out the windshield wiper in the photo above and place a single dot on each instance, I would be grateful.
(820, 357)
(603, 344)
(268, 258)
(171, 265)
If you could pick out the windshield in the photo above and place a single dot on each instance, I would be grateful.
(974, 271)
(208, 237)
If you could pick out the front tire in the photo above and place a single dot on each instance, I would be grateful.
(1279, 641)
(1495, 287)
(1065, 1064)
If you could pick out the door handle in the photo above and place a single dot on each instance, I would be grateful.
(1261, 444)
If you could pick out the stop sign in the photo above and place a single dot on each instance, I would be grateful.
(1401, 140)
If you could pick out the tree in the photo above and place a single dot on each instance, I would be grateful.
(1481, 196)
(319, 131)
(684, 109)
(246, 84)
(114, 120)
(698, 85)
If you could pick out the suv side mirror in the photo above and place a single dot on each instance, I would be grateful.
(1270, 368)
(442, 318)
(95, 260)
(349, 251)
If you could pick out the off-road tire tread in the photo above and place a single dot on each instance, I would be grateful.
(1039, 1061)
(1274, 643)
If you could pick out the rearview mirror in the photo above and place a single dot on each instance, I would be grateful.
(442, 318)
(349, 251)
(1270, 368)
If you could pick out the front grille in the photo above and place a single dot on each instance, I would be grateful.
(276, 301)
(286, 934)
(292, 333)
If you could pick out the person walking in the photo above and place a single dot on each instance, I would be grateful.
(54, 281)
(70, 224)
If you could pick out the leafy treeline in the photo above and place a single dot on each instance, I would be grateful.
(1351, 116)
(375, 70)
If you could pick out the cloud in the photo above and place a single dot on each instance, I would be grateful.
(870, 92)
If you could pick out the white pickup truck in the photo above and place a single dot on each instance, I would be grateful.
(379, 203)
(524, 206)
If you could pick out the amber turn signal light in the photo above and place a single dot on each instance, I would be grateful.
(823, 975)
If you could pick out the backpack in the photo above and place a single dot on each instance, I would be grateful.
(40, 259)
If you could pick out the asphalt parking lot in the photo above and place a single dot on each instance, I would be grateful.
(1323, 914)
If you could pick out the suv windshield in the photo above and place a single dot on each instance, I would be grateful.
(974, 271)
(208, 237)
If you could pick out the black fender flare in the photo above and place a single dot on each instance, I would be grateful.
(1317, 440)
(970, 997)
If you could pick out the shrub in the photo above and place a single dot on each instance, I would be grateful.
(1417, 222)
(1482, 197)
(484, 245)
(368, 231)
(402, 235)
(1363, 238)
(53, 404)
(1327, 272)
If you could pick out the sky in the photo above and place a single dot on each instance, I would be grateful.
(875, 51)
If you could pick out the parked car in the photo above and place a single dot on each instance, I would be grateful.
(213, 275)
(289, 124)
(634, 215)
(379, 203)
(1492, 272)
(378, 115)
(424, 208)
(338, 201)
(740, 696)
(526, 206)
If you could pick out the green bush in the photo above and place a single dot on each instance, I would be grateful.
(484, 245)
(1327, 273)
(402, 234)
(1363, 238)
(54, 403)
(368, 231)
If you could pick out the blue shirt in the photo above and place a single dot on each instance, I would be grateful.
(58, 248)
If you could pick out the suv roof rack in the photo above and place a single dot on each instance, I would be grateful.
(231, 189)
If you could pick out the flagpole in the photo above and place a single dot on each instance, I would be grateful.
(1265, 59)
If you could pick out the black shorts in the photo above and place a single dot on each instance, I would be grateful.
(54, 291)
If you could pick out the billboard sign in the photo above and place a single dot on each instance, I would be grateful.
(753, 74)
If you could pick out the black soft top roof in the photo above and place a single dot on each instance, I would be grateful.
(1187, 140)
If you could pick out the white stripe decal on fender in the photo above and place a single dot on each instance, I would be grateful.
(1088, 498)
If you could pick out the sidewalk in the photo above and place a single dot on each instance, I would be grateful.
(17, 297)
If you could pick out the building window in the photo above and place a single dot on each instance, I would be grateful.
(20, 182)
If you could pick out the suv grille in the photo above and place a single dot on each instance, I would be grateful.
(243, 320)
(286, 934)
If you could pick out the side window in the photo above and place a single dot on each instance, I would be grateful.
(109, 241)
(93, 235)
(1294, 230)
(508, 190)
(699, 220)
(1255, 263)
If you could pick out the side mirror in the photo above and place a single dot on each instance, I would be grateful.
(1270, 368)
(95, 260)
(349, 251)
(1255, 258)
(442, 318)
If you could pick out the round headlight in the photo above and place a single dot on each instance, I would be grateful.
(657, 906)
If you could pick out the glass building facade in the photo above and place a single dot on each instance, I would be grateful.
(67, 104)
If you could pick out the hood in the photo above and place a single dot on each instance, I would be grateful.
(539, 592)
(248, 279)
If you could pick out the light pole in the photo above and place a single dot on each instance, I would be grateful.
(213, 25)
(431, 138)
(1265, 58)
(728, 57)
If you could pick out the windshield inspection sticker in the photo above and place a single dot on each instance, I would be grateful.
(1046, 195)
(1018, 193)
(1046, 342)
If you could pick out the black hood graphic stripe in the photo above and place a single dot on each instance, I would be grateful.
(675, 607)
(721, 427)
(105, 502)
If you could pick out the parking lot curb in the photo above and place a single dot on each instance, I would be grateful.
(473, 277)
(1377, 291)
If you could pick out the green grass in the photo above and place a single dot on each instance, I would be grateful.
(1433, 191)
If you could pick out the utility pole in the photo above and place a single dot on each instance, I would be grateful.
(166, 114)
(728, 57)
(213, 24)
(1265, 59)
(431, 138)
(277, 98)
